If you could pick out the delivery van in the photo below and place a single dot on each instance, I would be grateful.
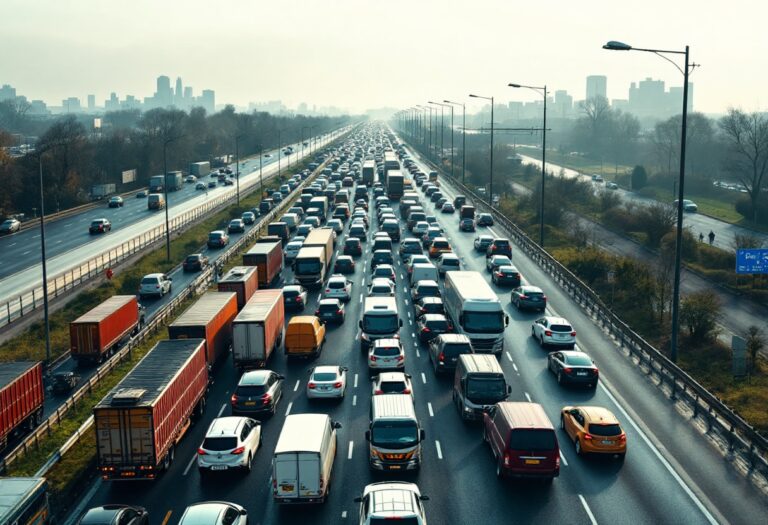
(304, 337)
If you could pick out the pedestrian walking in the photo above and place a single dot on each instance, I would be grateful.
(711, 237)
(701, 237)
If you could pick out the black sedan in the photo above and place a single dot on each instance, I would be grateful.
(195, 262)
(467, 225)
(506, 276)
(485, 219)
(99, 226)
(294, 297)
(64, 382)
(572, 366)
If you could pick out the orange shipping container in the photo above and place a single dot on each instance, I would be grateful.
(268, 257)
(210, 318)
(243, 280)
(93, 335)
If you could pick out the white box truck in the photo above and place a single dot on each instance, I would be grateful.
(303, 460)
(475, 311)
(258, 329)
(381, 320)
(200, 169)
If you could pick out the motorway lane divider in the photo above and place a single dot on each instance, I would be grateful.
(739, 437)
(31, 300)
(159, 320)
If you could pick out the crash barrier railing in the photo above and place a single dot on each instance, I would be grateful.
(741, 438)
(32, 299)
(197, 286)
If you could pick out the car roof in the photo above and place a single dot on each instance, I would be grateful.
(292, 287)
(337, 277)
(330, 300)
(386, 341)
(433, 317)
(426, 300)
(508, 267)
(392, 376)
(102, 515)
(381, 281)
(425, 282)
(203, 513)
(598, 414)
(255, 377)
(393, 498)
(556, 320)
(326, 369)
(224, 426)
(530, 288)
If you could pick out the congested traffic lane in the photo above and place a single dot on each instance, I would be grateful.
(668, 458)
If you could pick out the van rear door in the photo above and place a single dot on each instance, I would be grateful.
(533, 451)
(286, 475)
(309, 474)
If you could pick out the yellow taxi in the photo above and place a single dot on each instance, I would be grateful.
(438, 246)
(594, 430)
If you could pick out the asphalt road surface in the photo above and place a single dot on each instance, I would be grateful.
(671, 474)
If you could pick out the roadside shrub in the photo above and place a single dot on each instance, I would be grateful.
(711, 257)
(639, 178)
(620, 219)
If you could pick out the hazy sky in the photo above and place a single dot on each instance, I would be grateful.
(363, 54)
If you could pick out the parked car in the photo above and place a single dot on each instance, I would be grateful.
(327, 382)
(330, 311)
(217, 239)
(529, 297)
(553, 331)
(99, 226)
(195, 262)
(154, 284)
(230, 443)
(257, 392)
(294, 296)
(572, 366)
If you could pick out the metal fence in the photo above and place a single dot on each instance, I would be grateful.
(199, 285)
(32, 299)
(741, 438)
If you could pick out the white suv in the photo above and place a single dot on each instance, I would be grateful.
(395, 500)
(338, 287)
(155, 284)
(554, 331)
(386, 354)
(230, 443)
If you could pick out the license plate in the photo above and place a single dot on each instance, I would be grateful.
(607, 442)
(287, 488)
(581, 373)
(218, 467)
(394, 467)
(250, 403)
(532, 461)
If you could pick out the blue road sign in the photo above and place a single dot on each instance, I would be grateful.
(752, 261)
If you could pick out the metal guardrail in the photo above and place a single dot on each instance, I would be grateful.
(32, 299)
(740, 436)
(198, 285)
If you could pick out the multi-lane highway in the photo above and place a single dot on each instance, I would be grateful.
(69, 244)
(671, 473)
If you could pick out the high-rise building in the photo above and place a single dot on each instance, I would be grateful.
(188, 95)
(112, 103)
(164, 94)
(71, 105)
(7, 92)
(208, 101)
(597, 86)
(91, 102)
(563, 104)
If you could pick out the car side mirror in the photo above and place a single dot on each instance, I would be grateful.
(400, 322)
(280, 376)
(367, 435)
(358, 499)
(424, 498)
(170, 278)
(408, 376)
(360, 324)
(573, 411)
(336, 425)
(506, 320)
(243, 512)
(509, 389)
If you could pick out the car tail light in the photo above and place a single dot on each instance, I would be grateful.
(373, 358)
(494, 248)
(233, 399)
(337, 384)
(299, 299)
(499, 274)
(407, 391)
(507, 459)
(425, 330)
(339, 312)
(548, 333)
(238, 451)
(544, 297)
(596, 371)
(588, 437)
(311, 385)
(567, 370)
(623, 438)
(400, 357)
(201, 452)
(524, 297)
(327, 290)
(573, 334)
(379, 391)
(441, 357)
(266, 399)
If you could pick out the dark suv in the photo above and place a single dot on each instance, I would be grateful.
(499, 247)
(258, 392)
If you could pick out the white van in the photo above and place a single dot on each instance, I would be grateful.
(291, 219)
(423, 272)
(303, 460)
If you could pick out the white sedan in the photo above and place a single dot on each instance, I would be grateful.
(554, 331)
(338, 287)
(327, 382)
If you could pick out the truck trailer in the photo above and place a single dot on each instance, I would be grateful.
(395, 184)
(243, 280)
(258, 330)
(200, 169)
(139, 423)
(21, 398)
(210, 319)
(96, 334)
(268, 257)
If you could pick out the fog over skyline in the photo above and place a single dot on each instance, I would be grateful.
(364, 54)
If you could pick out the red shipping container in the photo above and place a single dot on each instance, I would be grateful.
(210, 318)
(94, 335)
(140, 421)
(21, 397)
(243, 280)
(268, 257)
(258, 329)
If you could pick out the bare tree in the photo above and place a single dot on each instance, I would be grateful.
(657, 219)
(744, 241)
(747, 138)
(755, 341)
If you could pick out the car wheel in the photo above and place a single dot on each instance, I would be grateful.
(577, 444)
(559, 378)
(533, 332)
(541, 341)
(247, 467)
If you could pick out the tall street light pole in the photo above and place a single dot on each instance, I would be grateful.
(237, 168)
(279, 154)
(44, 264)
(620, 46)
(423, 111)
(167, 204)
(312, 135)
(543, 91)
(442, 129)
(490, 186)
(463, 137)
(442, 105)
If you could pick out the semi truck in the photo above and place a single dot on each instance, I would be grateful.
(24, 501)
(156, 184)
(310, 266)
(174, 180)
(21, 398)
(209, 318)
(200, 169)
(99, 191)
(390, 163)
(139, 422)
(268, 258)
(369, 172)
(96, 334)
(243, 280)
(258, 330)
(395, 182)
(475, 310)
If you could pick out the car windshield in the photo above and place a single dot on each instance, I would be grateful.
(305, 267)
(324, 376)
(220, 443)
(193, 258)
(380, 324)
(383, 520)
(438, 325)
(392, 387)
(486, 390)
(578, 360)
(394, 434)
(604, 429)
(428, 291)
(484, 322)
(290, 293)
(214, 236)
(532, 439)
(337, 284)
(456, 349)
(251, 390)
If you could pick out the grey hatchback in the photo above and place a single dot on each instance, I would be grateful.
(257, 392)
(529, 297)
